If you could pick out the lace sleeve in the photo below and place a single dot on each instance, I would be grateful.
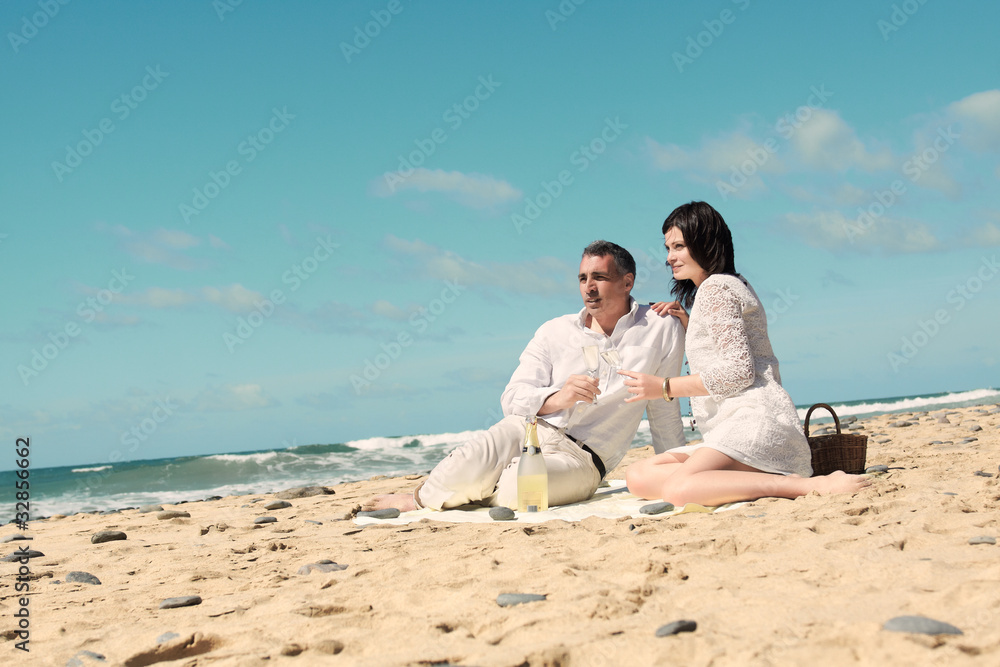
(733, 369)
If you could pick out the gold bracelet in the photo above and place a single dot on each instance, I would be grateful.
(666, 393)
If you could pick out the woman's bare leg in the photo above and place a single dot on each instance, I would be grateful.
(645, 478)
(709, 477)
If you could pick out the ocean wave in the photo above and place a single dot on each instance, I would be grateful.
(95, 469)
(257, 457)
(875, 406)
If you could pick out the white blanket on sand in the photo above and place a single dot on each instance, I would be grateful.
(610, 502)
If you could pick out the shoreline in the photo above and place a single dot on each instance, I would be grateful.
(820, 419)
(809, 581)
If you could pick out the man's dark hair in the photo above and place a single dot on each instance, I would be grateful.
(624, 261)
(708, 240)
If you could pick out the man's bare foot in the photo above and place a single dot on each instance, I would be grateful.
(840, 482)
(401, 501)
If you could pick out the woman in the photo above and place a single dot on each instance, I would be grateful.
(753, 444)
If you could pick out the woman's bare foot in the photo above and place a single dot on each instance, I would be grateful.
(839, 482)
(401, 501)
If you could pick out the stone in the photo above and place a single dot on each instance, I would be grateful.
(975, 427)
(935, 442)
(211, 498)
(511, 599)
(14, 538)
(387, 513)
(965, 441)
(172, 514)
(183, 601)
(318, 523)
(874, 470)
(502, 514)
(675, 628)
(77, 660)
(948, 493)
(303, 492)
(983, 539)
(322, 566)
(921, 625)
(980, 473)
(656, 508)
(900, 424)
(292, 649)
(328, 646)
(882, 441)
(277, 505)
(107, 512)
(107, 536)
(82, 578)
(18, 555)
(264, 519)
(166, 636)
(943, 420)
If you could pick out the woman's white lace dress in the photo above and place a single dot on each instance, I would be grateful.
(747, 414)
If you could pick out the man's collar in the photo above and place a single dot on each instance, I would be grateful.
(633, 308)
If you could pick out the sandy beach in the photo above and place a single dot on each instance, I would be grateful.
(773, 582)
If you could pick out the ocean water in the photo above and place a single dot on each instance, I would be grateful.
(70, 489)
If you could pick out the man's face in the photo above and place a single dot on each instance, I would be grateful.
(604, 291)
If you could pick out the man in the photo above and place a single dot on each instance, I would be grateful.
(584, 426)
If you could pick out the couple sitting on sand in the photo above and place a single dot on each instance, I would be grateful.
(753, 444)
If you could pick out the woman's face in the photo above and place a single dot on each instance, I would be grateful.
(680, 260)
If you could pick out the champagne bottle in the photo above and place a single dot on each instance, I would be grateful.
(532, 477)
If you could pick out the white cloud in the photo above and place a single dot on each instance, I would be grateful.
(545, 275)
(832, 230)
(827, 142)
(386, 309)
(159, 297)
(985, 235)
(233, 398)
(473, 190)
(979, 118)
(175, 238)
(161, 246)
(235, 297)
(719, 155)
(216, 242)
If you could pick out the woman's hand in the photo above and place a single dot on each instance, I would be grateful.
(664, 308)
(643, 387)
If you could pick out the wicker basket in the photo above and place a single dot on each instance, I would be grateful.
(836, 452)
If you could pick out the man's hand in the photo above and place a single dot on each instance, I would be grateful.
(664, 308)
(577, 388)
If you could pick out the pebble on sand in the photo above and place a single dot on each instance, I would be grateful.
(983, 539)
(921, 625)
(303, 492)
(871, 470)
(107, 536)
(656, 508)
(15, 537)
(675, 628)
(18, 555)
(172, 514)
(77, 577)
(502, 514)
(511, 599)
(322, 566)
(150, 508)
(387, 513)
(76, 660)
(975, 427)
(183, 601)
(264, 519)
(980, 473)
(277, 505)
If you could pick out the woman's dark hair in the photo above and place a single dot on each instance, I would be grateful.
(708, 240)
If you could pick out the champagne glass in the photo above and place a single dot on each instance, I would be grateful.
(592, 354)
(614, 362)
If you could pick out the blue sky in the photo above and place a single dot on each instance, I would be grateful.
(217, 218)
